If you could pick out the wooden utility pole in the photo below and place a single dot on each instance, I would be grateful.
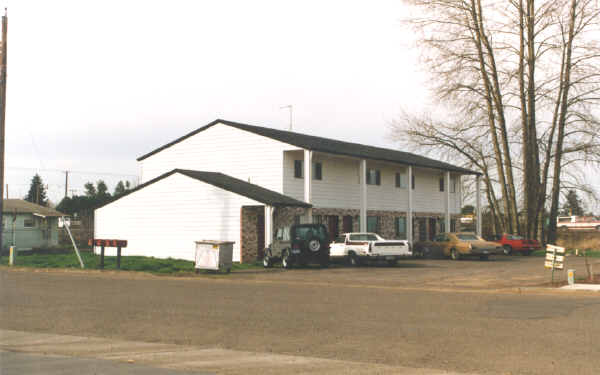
(66, 183)
(2, 116)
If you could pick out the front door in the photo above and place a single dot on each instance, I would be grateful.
(432, 231)
(422, 230)
(334, 227)
(347, 222)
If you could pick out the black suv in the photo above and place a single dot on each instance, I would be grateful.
(299, 245)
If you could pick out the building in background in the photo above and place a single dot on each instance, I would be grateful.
(27, 225)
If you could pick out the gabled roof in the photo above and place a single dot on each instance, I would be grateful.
(234, 185)
(327, 145)
(24, 207)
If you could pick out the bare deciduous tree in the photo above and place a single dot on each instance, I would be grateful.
(517, 73)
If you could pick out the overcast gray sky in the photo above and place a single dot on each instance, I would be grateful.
(94, 84)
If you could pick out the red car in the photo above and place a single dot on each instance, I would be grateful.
(513, 243)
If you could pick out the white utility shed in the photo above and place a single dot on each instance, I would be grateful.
(163, 217)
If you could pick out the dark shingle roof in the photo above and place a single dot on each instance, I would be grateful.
(234, 185)
(25, 207)
(327, 145)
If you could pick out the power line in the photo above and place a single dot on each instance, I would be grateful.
(78, 172)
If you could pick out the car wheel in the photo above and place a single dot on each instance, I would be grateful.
(598, 228)
(484, 257)
(267, 260)
(507, 249)
(526, 253)
(286, 260)
(392, 263)
(353, 260)
(454, 254)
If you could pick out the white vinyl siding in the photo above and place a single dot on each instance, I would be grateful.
(221, 148)
(164, 219)
(340, 187)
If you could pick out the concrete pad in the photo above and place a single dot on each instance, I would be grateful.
(13, 363)
(39, 353)
(593, 287)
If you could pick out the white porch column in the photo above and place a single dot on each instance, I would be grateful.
(478, 205)
(363, 195)
(268, 225)
(448, 228)
(409, 221)
(308, 183)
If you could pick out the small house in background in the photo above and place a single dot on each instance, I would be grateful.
(27, 225)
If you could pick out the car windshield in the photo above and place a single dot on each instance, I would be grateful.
(467, 237)
(310, 232)
(514, 237)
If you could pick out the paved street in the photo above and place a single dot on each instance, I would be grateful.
(434, 315)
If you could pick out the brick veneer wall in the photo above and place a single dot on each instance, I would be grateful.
(249, 234)
(284, 216)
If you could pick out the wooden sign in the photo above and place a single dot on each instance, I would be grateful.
(553, 260)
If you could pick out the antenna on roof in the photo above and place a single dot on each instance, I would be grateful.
(291, 108)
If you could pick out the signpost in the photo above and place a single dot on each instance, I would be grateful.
(555, 258)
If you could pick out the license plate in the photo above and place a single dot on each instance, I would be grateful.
(295, 251)
(390, 258)
(485, 251)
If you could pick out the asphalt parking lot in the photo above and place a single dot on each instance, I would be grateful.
(487, 317)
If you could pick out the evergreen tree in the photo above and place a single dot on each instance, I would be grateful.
(121, 188)
(573, 205)
(37, 191)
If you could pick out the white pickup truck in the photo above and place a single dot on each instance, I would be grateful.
(359, 247)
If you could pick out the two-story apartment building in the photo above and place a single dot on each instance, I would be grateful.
(237, 182)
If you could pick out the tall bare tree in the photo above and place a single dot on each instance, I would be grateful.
(506, 70)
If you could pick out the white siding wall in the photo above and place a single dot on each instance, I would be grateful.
(224, 149)
(164, 219)
(340, 187)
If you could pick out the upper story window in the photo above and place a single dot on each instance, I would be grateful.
(373, 177)
(453, 184)
(299, 170)
(413, 182)
(442, 183)
(401, 180)
(317, 171)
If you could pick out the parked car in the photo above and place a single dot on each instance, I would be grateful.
(516, 244)
(359, 247)
(299, 245)
(458, 245)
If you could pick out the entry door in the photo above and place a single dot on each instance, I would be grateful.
(422, 229)
(334, 227)
(432, 231)
(260, 235)
(347, 224)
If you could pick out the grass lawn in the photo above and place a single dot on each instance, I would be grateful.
(590, 253)
(129, 263)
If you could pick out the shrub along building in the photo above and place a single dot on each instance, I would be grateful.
(237, 182)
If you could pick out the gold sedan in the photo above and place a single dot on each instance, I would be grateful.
(458, 245)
